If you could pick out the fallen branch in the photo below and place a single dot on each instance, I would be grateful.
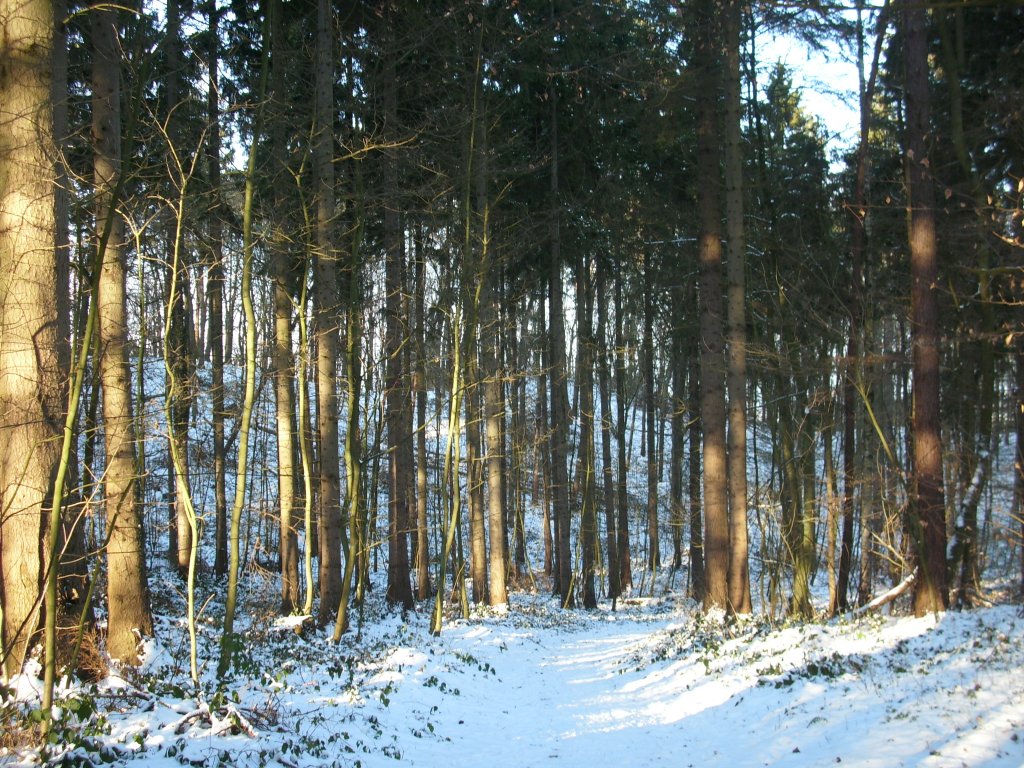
(232, 720)
(888, 597)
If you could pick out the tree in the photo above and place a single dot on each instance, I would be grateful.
(589, 541)
(178, 346)
(215, 295)
(927, 522)
(399, 590)
(127, 591)
(327, 318)
(712, 316)
(229, 642)
(736, 375)
(30, 379)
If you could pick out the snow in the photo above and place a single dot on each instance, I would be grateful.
(652, 683)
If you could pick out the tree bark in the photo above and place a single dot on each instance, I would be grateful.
(493, 411)
(621, 495)
(927, 524)
(736, 376)
(650, 408)
(179, 348)
(396, 388)
(589, 542)
(30, 379)
(423, 587)
(698, 586)
(127, 594)
(607, 428)
(712, 317)
(215, 295)
(327, 317)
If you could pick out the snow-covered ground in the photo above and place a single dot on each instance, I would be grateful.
(652, 683)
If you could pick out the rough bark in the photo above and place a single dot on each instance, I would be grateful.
(927, 524)
(607, 428)
(650, 413)
(621, 494)
(29, 374)
(589, 543)
(712, 316)
(127, 595)
(736, 376)
(326, 312)
(215, 295)
(399, 591)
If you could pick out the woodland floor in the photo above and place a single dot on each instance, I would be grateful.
(652, 683)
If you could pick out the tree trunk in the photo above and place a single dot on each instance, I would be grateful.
(178, 346)
(736, 376)
(399, 590)
(622, 496)
(978, 458)
(927, 524)
(326, 313)
(559, 478)
(215, 293)
(589, 542)
(698, 585)
(1018, 463)
(607, 428)
(30, 379)
(281, 354)
(423, 588)
(228, 639)
(474, 467)
(650, 407)
(494, 414)
(678, 424)
(357, 542)
(712, 362)
(127, 595)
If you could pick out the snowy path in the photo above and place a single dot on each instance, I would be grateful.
(615, 691)
(650, 685)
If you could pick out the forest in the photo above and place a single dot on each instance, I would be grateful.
(320, 320)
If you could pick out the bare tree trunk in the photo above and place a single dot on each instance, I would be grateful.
(559, 478)
(698, 584)
(622, 496)
(30, 379)
(127, 595)
(281, 354)
(228, 639)
(474, 468)
(736, 377)
(179, 348)
(678, 423)
(358, 538)
(854, 369)
(978, 458)
(1018, 463)
(494, 412)
(589, 542)
(543, 462)
(215, 292)
(927, 524)
(607, 428)
(326, 312)
(650, 407)
(423, 587)
(396, 386)
(712, 316)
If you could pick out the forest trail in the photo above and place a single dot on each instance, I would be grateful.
(648, 686)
